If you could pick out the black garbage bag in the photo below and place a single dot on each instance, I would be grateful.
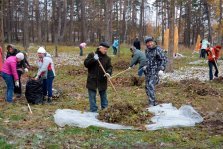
(34, 91)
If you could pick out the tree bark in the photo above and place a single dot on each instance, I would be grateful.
(1, 28)
(220, 25)
(171, 35)
(26, 25)
(71, 22)
(108, 20)
(83, 22)
(38, 22)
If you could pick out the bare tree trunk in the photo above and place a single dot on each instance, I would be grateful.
(58, 8)
(124, 21)
(207, 7)
(141, 20)
(9, 21)
(38, 22)
(32, 28)
(220, 25)
(26, 25)
(46, 30)
(1, 27)
(163, 27)
(171, 37)
(179, 23)
(63, 20)
(83, 22)
(71, 22)
(108, 20)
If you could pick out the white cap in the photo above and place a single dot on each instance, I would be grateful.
(41, 50)
(20, 56)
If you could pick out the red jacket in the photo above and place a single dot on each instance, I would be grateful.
(213, 53)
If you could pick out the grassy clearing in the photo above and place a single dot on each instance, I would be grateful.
(18, 128)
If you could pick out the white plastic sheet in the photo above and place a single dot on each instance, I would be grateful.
(82, 119)
(168, 116)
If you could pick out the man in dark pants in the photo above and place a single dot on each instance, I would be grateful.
(213, 55)
(21, 67)
(156, 62)
(137, 44)
(97, 79)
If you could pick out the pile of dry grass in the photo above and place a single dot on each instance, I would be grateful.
(125, 113)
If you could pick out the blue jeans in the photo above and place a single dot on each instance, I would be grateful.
(10, 86)
(92, 100)
(48, 86)
(140, 71)
(81, 51)
(211, 64)
(114, 50)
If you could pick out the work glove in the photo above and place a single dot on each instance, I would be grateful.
(96, 57)
(161, 73)
(107, 75)
(26, 70)
(161, 68)
(144, 68)
(17, 83)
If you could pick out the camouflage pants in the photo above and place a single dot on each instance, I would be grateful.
(151, 81)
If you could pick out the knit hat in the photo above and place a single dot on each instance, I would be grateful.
(20, 56)
(148, 39)
(41, 50)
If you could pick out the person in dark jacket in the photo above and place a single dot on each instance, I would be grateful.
(97, 79)
(138, 57)
(21, 67)
(137, 44)
(156, 63)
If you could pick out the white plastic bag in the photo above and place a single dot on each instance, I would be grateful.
(167, 116)
(82, 119)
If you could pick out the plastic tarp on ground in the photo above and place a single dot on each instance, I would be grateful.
(82, 119)
(166, 116)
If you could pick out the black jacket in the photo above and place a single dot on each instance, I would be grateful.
(96, 78)
(22, 64)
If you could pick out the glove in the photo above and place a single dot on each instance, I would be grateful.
(26, 70)
(96, 57)
(161, 68)
(129, 68)
(160, 73)
(17, 83)
(107, 75)
(144, 68)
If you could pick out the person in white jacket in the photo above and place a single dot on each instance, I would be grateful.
(204, 45)
(46, 71)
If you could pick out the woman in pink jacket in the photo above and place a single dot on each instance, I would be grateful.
(9, 72)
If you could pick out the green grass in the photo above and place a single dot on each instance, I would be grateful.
(39, 130)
